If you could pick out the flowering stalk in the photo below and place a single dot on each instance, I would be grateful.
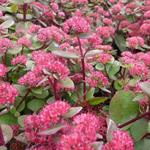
(83, 68)
(135, 119)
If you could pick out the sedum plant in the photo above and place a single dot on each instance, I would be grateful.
(74, 74)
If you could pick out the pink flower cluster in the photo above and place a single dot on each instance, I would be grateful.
(5, 44)
(23, 41)
(121, 141)
(135, 42)
(8, 93)
(97, 79)
(76, 24)
(104, 58)
(44, 62)
(21, 59)
(49, 116)
(83, 133)
(139, 63)
(50, 33)
(105, 31)
(3, 70)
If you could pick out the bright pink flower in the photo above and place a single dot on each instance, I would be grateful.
(30, 79)
(147, 14)
(104, 58)
(134, 42)
(139, 69)
(96, 79)
(23, 41)
(145, 29)
(80, 1)
(52, 113)
(5, 44)
(54, 6)
(3, 70)
(76, 24)
(74, 141)
(105, 32)
(22, 59)
(34, 28)
(121, 141)
(8, 93)
(116, 8)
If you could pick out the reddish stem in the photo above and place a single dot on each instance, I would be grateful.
(2, 142)
(25, 7)
(83, 67)
(133, 120)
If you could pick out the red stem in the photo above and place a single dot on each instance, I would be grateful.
(2, 142)
(83, 68)
(25, 7)
(133, 120)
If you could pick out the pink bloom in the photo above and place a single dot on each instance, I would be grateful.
(76, 24)
(104, 58)
(3, 70)
(52, 113)
(5, 44)
(139, 69)
(145, 29)
(80, 1)
(8, 93)
(96, 79)
(31, 79)
(121, 141)
(134, 42)
(147, 14)
(116, 8)
(58, 69)
(24, 42)
(3, 2)
(54, 6)
(75, 141)
(105, 32)
(22, 59)
(34, 28)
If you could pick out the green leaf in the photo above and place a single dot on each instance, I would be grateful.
(8, 118)
(65, 54)
(122, 107)
(14, 8)
(7, 132)
(67, 83)
(143, 145)
(112, 69)
(111, 127)
(52, 130)
(22, 89)
(118, 85)
(99, 66)
(120, 41)
(90, 93)
(21, 106)
(138, 129)
(72, 112)
(97, 100)
(7, 24)
(35, 104)
(92, 53)
(40, 93)
(15, 50)
(145, 86)
(21, 120)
